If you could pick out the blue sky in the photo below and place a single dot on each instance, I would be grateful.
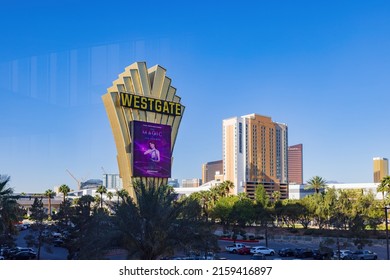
(321, 67)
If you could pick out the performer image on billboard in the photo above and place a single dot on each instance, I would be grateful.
(153, 152)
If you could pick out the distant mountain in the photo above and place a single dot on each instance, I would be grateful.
(333, 182)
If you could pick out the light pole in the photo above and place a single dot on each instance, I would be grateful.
(387, 232)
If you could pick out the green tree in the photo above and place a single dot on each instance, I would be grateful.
(384, 187)
(276, 197)
(10, 212)
(157, 224)
(64, 189)
(38, 215)
(101, 190)
(316, 183)
(315, 205)
(78, 233)
(49, 194)
(92, 234)
(309, 203)
(206, 201)
(290, 212)
(223, 209)
(243, 212)
(122, 194)
(224, 188)
(375, 215)
(194, 209)
(261, 196)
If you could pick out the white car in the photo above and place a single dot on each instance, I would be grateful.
(343, 254)
(262, 250)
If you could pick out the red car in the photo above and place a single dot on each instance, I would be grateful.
(244, 251)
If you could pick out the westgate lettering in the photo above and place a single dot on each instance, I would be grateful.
(150, 104)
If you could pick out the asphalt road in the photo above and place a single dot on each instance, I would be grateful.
(58, 253)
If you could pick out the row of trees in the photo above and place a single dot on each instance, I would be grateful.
(350, 210)
(158, 223)
(327, 207)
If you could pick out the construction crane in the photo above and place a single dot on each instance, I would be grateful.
(78, 181)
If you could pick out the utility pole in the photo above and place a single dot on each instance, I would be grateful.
(387, 233)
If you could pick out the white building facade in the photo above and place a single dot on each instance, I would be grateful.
(299, 191)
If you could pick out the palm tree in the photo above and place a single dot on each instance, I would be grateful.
(4, 191)
(84, 203)
(317, 183)
(122, 194)
(9, 209)
(225, 187)
(101, 190)
(49, 193)
(157, 224)
(110, 195)
(64, 189)
(384, 186)
(205, 200)
(96, 200)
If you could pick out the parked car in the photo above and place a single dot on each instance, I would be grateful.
(342, 254)
(5, 252)
(262, 250)
(322, 254)
(362, 255)
(13, 251)
(24, 255)
(244, 251)
(56, 234)
(303, 253)
(286, 252)
(20, 249)
(234, 248)
(258, 257)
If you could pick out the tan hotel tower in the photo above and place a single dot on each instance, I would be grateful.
(255, 152)
(381, 168)
(144, 113)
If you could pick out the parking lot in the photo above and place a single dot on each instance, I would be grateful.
(379, 250)
(50, 252)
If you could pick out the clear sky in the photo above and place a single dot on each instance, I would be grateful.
(321, 67)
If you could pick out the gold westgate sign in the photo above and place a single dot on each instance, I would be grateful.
(150, 104)
(145, 95)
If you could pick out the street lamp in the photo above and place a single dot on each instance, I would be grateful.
(387, 232)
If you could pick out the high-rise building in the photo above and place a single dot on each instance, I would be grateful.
(295, 164)
(255, 152)
(282, 152)
(191, 183)
(381, 168)
(210, 169)
(112, 181)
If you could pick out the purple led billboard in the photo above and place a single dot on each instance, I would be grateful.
(151, 148)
